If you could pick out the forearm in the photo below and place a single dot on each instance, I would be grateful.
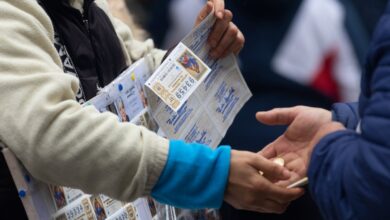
(54, 137)
(348, 179)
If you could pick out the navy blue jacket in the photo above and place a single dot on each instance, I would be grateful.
(349, 171)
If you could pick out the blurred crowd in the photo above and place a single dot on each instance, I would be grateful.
(297, 52)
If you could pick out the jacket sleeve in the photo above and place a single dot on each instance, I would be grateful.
(56, 139)
(194, 177)
(347, 114)
(350, 172)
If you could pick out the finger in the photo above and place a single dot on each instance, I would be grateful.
(269, 168)
(219, 6)
(228, 39)
(278, 116)
(206, 10)
(240, 43)
(219, 29)
(236, 46)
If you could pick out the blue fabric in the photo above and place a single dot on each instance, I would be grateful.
(347, 114)
(194, 177)
(350, 172)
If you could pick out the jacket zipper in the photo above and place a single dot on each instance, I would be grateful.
(85, 20)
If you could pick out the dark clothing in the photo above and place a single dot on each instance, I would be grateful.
(350, 170)
(371, 12)
(91, 42)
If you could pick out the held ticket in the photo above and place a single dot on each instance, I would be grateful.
(178, 77)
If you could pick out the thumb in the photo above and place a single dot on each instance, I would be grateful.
(278, 116)
(206, 10)
(270, 169)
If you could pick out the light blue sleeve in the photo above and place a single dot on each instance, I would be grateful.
(194, 177)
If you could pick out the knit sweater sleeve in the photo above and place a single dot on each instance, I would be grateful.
(55, 138)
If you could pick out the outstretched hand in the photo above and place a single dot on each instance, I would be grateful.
(306, 126)
(249, 190)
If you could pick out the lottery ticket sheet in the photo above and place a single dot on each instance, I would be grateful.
(125, 96)
(210, 109)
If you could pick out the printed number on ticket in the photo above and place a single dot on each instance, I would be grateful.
(178, 77)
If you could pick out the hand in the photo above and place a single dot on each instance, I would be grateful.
(225, 38)
(306, 127)
(249, 190)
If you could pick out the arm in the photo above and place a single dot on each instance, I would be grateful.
(56, 139)
(356, 166)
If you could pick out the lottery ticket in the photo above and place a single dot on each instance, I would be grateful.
(63, 196)
(178, 76)
(128, 212)
(81, 209)
(104, 206)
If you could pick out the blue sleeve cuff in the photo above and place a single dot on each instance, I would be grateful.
(347, 114)
(194, 177)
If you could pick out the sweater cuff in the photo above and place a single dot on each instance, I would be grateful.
(157, 163)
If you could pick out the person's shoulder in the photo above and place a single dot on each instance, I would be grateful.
(29, 11)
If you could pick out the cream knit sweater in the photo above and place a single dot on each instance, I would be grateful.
(55, 138)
